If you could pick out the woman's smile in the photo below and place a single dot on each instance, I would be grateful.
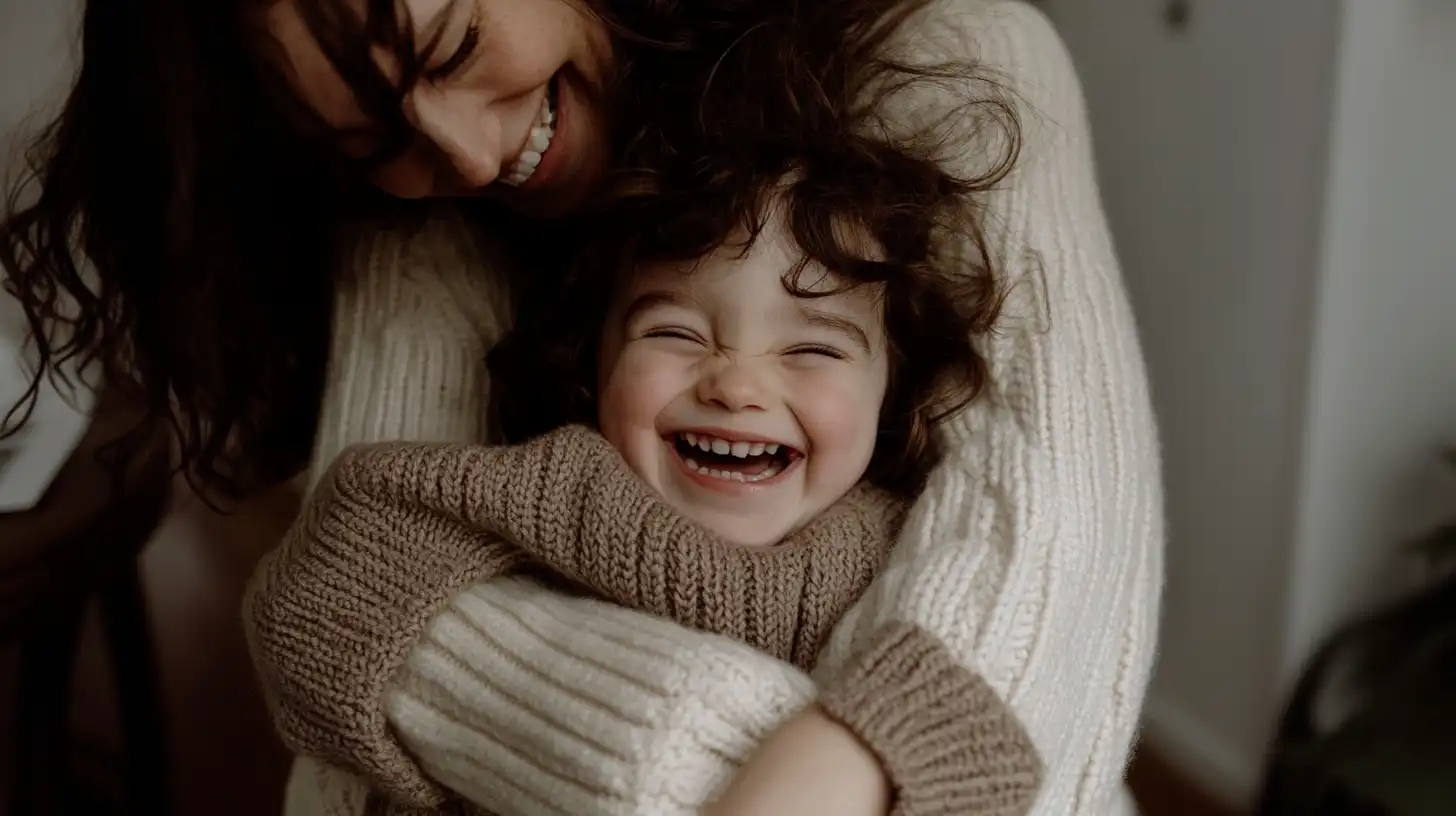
(527, 165)
(505, 105)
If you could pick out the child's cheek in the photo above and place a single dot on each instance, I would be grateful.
(641, 385)
(839, 408)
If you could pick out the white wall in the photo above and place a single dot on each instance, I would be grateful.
(35, 51)
(1383, 395)
(1280, 181)
(1209, 152)
(35, 66)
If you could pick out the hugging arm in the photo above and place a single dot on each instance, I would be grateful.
(1030, 569)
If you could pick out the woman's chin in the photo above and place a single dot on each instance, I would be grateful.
(543, 204)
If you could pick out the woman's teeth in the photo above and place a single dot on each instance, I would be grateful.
(539, 141)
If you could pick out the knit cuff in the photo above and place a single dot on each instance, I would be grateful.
(946, 740)
(333, 613)
(636, 715)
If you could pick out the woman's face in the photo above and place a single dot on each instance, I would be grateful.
(508, 104)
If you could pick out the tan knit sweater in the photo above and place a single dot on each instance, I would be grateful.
(394, 531)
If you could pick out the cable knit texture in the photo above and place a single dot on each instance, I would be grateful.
(1034, 557)
(395, 530)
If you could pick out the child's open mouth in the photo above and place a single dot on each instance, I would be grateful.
(733, 460)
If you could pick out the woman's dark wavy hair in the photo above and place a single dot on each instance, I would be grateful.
(177, 171)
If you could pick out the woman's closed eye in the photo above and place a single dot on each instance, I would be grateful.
(460, 57)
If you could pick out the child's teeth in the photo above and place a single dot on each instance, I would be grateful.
(692, 439)
(731, 476)
(705, 444)
(758, 448)
(741, 449)
(771, 448)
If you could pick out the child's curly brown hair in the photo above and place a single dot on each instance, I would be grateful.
(816, 140)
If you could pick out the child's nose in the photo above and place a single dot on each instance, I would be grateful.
(733, 387)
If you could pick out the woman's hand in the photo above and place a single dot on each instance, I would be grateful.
(810, 765)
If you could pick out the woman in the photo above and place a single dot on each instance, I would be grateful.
(1031, 567)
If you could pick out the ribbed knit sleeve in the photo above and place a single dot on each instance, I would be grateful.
(417, 306)
(1031, 567)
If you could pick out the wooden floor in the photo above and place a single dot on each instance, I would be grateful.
(1162, 790)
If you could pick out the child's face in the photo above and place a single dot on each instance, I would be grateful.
(785, 392)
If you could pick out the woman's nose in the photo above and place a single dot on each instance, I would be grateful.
(466, 137)
(733, 387)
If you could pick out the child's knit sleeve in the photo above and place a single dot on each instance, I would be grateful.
(390, 534)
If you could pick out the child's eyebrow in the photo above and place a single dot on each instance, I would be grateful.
(651, 300)
(834, 322)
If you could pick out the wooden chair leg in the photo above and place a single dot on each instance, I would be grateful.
(47, 663)
(133, 664)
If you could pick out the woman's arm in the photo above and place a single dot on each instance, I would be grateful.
(415, 311)
(1034, 558)
(530, 702)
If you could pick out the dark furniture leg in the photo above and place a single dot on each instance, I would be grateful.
(47, 660)
(129, 644)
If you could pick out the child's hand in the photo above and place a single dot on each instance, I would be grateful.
(810, 765)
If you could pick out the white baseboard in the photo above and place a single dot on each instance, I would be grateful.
(1218, 767)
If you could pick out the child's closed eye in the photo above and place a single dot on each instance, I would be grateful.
(818, 350)
(675, 333)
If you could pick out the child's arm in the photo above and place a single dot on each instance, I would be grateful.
(392, 533)
(899, 725)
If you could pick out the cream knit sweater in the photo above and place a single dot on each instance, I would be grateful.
(1035, 554)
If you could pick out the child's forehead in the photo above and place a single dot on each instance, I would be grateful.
(743, 262)
(733, 277)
